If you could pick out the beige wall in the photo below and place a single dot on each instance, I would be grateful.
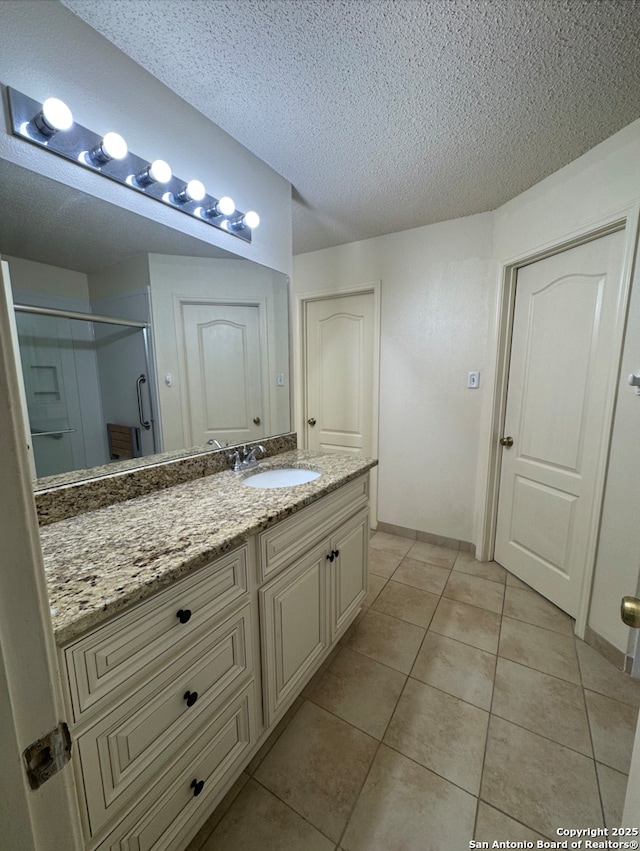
(434, 314)
(439, 306)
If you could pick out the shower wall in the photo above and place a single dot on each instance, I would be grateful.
(78, 375)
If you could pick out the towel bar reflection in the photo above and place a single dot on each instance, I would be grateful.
(56, 434)
(140, 381)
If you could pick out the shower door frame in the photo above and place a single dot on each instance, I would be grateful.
(85, 317)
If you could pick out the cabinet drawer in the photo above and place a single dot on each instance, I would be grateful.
(283, 543)
(121, 754)
(130, 649)
(161, 821)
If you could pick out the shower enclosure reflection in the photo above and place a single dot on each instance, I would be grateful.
(84, 394)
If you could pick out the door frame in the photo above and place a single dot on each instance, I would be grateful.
(627, 219)
(33, 704)
(374, 288)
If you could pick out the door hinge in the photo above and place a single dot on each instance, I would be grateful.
(48, 755)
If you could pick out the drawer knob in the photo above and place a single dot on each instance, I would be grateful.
(190, 697)
(183, 615)
(197, 786)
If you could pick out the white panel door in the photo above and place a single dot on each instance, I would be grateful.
(565, 311)
(223, 372)
(339, 373)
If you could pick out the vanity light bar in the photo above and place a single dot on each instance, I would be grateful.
(50, 125)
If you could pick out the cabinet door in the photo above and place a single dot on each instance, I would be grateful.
(293, 609)
(349, 571)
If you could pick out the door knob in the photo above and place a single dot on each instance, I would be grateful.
(506, 442)
(630, 611)
(256, 420)
(312, 421)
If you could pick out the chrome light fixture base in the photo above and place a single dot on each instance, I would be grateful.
(77, 143)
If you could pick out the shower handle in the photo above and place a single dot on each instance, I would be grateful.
(139, 382)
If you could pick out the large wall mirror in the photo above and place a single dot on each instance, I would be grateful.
(189, 347)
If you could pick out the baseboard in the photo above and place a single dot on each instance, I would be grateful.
(426, 537)
(610, 652)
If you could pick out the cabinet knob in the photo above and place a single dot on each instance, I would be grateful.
(312, 421)
(190, 697)
(336, 553)
(197, 786)
(331, 556)
(183, 615)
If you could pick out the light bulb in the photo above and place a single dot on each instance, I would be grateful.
(224, 207)
(112, 147)
(158, 172)
(251, 219)
(55, 115)
(192, 191)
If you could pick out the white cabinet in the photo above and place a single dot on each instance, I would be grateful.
(167, 700)
(163, 697)
(295, 629)
(316, 594)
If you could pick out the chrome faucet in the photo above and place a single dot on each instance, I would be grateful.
(214, 442)
(241, 459)
(250, 458)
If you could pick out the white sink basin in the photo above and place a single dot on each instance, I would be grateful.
(284, 478)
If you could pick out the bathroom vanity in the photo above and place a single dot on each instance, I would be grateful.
(187, 622)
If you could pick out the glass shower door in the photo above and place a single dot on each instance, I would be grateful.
(50, 371)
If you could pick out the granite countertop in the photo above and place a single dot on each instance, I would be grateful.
(100, 563)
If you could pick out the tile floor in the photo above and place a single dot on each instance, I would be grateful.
(458, 706)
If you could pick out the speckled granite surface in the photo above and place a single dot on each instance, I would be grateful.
(69, 494)
(99, 563)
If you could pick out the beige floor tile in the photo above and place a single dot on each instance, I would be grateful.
(477, 592)
(539, 648)
(258, 821)
(468, 624)
(391, 543)
(407, 603)
(537, 782)
(516, 583)
(404, 807)
(432, 553)
(419, 574)
(543, 704)
(376, 584)
(444, 734)
(600, 675)
(467, 563)
(494, 826)
(200, 840)
(613, 788)
(386, 639)
(382, 563)
(459, 669)
(359, 690)
(318, 766)
(531, 607)
(613, 727)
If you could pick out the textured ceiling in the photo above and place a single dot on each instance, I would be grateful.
(390, 114)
